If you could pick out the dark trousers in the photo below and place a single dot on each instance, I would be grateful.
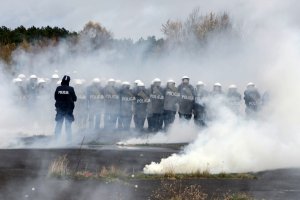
(157, 121)
(168, 118)
(68, 118)
(110, 120)
(200, 117)
(251, 110)
(150, 120)
(94, 120)
(124, 122)
(185, 116)
(139, 122)
(81, 120)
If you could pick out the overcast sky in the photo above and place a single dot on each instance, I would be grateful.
(129, 18)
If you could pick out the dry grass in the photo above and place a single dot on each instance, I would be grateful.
(111, 172)
(176, 191)
(59, 167)
(84, 175)
(236, 196)
(205, 174)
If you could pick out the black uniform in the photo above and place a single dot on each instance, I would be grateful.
(65, 97)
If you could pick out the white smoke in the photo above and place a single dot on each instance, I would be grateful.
(235, 144)
(265, 53)
(179, 132)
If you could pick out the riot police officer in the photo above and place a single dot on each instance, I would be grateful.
(252, 99)
(172, 96)
(142, 100)
(201, 95)
(112, 104)
(65, 97)
(95, 104)
(187, 97)
(126, 106)
(157, 105)
(234, 99)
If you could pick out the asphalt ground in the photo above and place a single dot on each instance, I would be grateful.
(24, 175)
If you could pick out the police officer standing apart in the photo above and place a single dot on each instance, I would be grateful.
(65, 97)
(187, 97)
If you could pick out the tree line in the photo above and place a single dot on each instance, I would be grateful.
(18, 35)
(190, 33)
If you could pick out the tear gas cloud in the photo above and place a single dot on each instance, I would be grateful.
(264, 51)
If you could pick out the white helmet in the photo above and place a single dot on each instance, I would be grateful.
(78, 82)
(55, 76)
(185, 77)
(111, 80)
(96, 80)
(156, 80)
(33, 76)
(200, 83)
(21, 76)
(232, 86)
(125, 83)
(137, 81)
(41, 80)
(140, 84)
(170, 81)
(17, 80)
(250, 84)
(217, 85)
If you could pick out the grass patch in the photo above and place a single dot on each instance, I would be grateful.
(175, 146)
(112, 172)
(175, 190)
(236, 196)
(196, 175)
(60, 167)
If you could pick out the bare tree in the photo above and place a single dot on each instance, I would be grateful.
(196, 26)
